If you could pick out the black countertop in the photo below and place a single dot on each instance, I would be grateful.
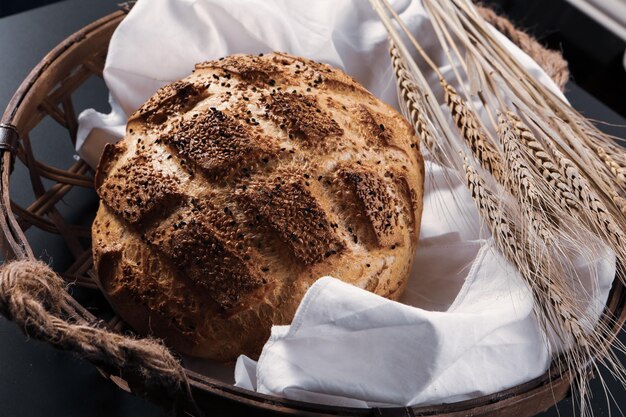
(36, 380)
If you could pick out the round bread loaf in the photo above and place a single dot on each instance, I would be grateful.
(239, 186)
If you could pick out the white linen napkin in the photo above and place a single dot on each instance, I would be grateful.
(466, 327)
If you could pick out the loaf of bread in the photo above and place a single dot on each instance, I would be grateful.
(239, 186)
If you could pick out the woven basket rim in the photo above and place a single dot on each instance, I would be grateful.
(553, 383)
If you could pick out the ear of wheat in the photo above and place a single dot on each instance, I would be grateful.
(410, 100)
(550, 184)
(474, 135)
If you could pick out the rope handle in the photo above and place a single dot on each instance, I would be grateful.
(36, 299)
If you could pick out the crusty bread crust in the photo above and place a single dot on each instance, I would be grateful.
(240, 185)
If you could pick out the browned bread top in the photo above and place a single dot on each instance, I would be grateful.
(237, 187)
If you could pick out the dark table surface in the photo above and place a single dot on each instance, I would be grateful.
(36, 380)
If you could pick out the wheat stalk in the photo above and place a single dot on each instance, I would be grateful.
(619, 202)
(596, 211)
(544, 163)
(471, 131)
(573, 190)
(409, 91)
(522, 183)
(617, 170)
(410, 94)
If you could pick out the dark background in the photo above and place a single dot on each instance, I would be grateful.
(8, 7)
(36, 380)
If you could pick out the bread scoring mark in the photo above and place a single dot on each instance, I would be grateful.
(171, 99)
(302, 117)
(110, 155)
(376, 202)
(286, 205)
(249, 68)
(125, 278)
(345, 85)
(409, 201)
(218, 143)
(147, 291)
(198, 241)
(138, 188)
(375, 132)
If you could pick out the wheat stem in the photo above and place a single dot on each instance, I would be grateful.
(616, 169)
(544, 163)
(470, 129)
(522, 182)
(409, 91)
(598, 213)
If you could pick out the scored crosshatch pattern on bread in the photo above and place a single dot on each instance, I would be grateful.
(239, 186)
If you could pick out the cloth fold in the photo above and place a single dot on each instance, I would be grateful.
(464, 326)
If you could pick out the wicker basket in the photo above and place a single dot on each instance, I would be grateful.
(47, 93)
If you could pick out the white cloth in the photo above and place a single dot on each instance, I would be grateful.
(466, 328)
